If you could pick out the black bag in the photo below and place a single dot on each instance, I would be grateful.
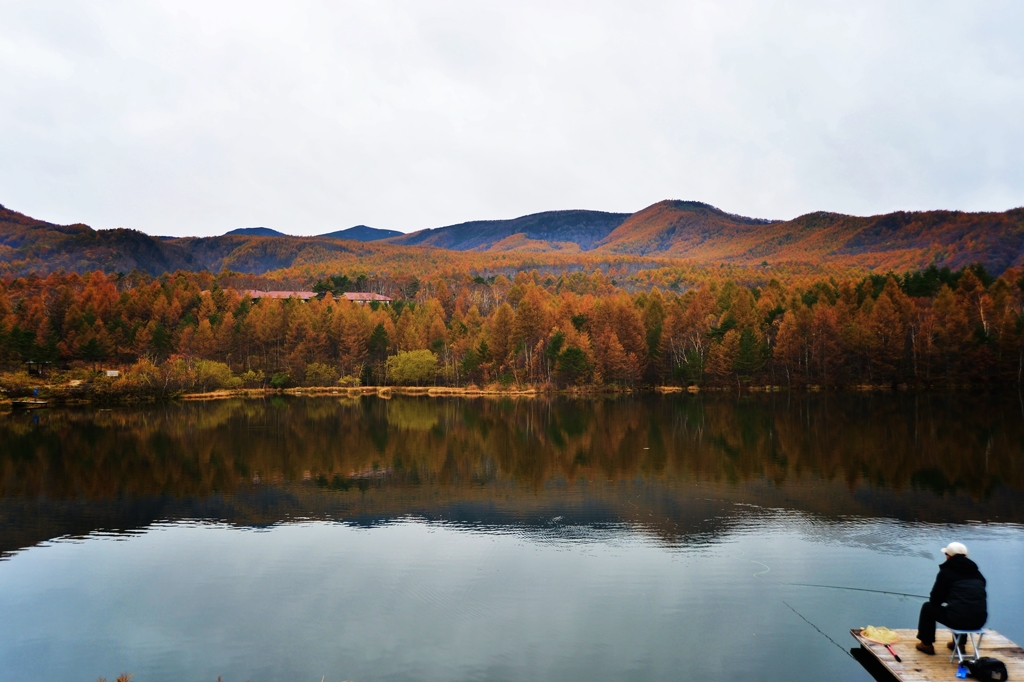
(987, 669)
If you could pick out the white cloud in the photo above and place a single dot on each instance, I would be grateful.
(198, 117)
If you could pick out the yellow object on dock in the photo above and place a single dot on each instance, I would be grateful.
(919, 667)
(880, 635)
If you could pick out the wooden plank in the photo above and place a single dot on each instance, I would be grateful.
(919, 667)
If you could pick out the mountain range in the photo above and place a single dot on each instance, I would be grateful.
(549, 231)
(359, 233)
(685, 230)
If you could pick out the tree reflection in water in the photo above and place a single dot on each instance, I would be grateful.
(925, 457)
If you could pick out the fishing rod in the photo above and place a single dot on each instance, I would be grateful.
(836, 587)
(859, 589)
(832, 587)
(820, 631)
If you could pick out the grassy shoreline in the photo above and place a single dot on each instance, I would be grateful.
(100, 393)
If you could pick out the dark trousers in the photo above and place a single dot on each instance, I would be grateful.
(930, 614)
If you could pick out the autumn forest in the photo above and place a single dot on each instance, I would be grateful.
(195, 331)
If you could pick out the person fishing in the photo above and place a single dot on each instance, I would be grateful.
(958, 599)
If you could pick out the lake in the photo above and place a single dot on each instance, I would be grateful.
(615, 538)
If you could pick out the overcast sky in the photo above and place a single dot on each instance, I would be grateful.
(198, 117)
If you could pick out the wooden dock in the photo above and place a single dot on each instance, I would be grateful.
(919, 667)
(29, 404)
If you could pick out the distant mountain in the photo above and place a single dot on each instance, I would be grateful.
(256, 232)
(28, 245)
(359, 233)
(901, 240)
(687, 230)
(362, 233)
(669, 227)
(551, 230)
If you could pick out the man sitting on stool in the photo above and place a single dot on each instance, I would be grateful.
(957, 600)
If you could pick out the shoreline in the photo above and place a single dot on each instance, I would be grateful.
(57, 395)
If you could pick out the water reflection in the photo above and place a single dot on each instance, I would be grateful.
(632, 538)
(409, 600)
(671, 463)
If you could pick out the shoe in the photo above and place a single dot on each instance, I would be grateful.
(925, 648)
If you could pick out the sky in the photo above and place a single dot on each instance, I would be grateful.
(194, 118)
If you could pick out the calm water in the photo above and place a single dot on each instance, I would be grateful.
(422, 539)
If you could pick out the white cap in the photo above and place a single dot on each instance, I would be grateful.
(954, 548)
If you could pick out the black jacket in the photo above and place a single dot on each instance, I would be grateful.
(961, 587)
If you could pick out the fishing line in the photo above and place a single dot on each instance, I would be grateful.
(820, 631)
(857, 589)
(831, 587)
(841, 647)
(827, 587)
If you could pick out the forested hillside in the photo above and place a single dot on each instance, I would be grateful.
(671, 236)
(197, 331)
(552, 230)
(28, 245)
(897, 241)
